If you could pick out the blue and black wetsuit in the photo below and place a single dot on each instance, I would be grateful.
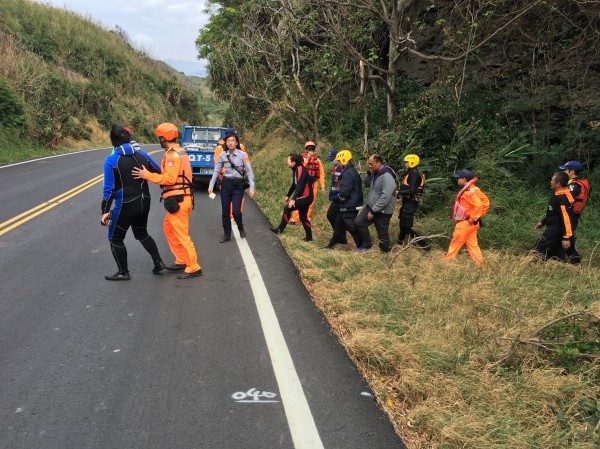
(131, 200)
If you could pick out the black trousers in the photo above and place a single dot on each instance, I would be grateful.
(231, 201)
(549, 245)
(301, 206)
(138, 225)
(571, 254)
(344, 221)
(332, 214)
(407, 220)
(382, 226)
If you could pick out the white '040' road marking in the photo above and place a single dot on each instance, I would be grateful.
(299, 417)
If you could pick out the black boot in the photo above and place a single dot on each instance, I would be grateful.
(158, 265)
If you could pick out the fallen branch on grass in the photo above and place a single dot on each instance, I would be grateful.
(532, 340)
(411, 243)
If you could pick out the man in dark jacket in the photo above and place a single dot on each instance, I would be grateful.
(410, 191)
(557, 235)
(131, 200)
(350, 199)
(381, 202)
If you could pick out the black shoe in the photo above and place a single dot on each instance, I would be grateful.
(119, 277)
(193, 274)
(176, 267)
(307, 239)
(242, 234)
(330, 246)
(224, 239)
(158, 267)
(276, 230)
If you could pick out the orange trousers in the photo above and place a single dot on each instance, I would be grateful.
(465, 234)
(295, 218)
(176, 228)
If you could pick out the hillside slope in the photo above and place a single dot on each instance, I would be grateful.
(65, 78)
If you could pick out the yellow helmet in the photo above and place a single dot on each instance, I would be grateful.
(412, 160)
(167, 131)
(343, 156)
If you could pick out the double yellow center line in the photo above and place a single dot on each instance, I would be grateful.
(14, 222)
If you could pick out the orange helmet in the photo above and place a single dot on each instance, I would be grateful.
(167, 131)
(310, 143)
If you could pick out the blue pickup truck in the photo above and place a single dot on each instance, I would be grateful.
(199, 143)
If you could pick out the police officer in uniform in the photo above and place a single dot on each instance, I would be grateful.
(233, 162)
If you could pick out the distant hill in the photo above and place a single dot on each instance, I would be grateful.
(190, 68)
(64, 78)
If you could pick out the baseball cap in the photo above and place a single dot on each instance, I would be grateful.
(572, 165)
(464, 173)
(331, 155)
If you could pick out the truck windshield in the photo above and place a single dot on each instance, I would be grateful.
(205, 135)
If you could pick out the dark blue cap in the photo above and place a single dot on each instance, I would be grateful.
(572, 165)
(464, 173)
(331, 155)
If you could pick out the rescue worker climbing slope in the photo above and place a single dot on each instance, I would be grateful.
(556, 238)
(410, 191)
(467, 212)
(334, 207)
(131, 200)
(580, 190)
(178, 199)
(299, 197)
(349, 196)
(314, 167)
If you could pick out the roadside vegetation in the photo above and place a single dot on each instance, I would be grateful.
(507, 357)
(65, 80)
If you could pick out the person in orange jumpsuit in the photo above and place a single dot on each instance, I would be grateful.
(467, 213)
(177, 195)
(313, 164)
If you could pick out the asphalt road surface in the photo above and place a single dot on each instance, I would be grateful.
(238, 358)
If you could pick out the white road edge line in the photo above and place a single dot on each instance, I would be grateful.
(299, 417)
(51, 157)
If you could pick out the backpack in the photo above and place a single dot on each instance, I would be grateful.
(313, 168)
(582, 198)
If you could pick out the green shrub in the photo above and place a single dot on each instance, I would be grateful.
(12, 109)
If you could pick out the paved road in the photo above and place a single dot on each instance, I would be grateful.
(239, 358)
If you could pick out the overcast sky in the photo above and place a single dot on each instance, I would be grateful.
(165, 29)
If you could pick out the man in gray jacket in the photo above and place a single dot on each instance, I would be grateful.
(381, 202)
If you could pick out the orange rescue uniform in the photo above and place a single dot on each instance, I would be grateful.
(465, 231)
(174, 166)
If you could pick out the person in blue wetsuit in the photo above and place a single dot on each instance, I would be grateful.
(131, 200)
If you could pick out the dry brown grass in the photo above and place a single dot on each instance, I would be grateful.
(427, 336)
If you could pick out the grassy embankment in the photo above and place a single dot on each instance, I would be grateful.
(65, 80)
(434, 340)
